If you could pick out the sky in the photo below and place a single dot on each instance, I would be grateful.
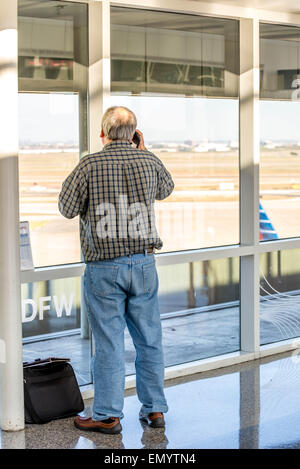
(48, 118)
(55, 118)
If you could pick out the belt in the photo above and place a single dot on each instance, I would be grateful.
(149, 251)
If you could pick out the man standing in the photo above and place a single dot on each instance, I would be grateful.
(114, 191)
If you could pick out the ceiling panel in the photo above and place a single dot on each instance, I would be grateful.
(288, 6)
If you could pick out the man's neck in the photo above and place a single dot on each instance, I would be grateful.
(107, 141)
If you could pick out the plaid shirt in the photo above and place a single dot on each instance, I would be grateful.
(107, 189)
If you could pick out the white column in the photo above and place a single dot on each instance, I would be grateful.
(99, 68)
(11, 370)
(249, 181)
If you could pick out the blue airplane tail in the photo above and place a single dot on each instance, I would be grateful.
(266, 228)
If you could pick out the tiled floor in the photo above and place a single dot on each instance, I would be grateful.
(253, 405)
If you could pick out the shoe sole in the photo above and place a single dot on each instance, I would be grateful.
(157, 423)
(108, 431)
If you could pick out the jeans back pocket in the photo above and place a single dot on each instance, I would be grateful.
(149, 277)
(103, 279)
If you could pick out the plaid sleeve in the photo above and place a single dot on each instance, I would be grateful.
(73, 197)
(165, 184)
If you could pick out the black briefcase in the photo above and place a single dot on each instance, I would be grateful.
(51, 390)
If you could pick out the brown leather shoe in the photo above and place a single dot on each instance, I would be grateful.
(111, 426)
(155, 419)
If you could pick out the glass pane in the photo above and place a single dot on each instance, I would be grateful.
(48, 152)
(197, 140)
(52, 324)
(280, 143)
(279, 61)
(280, 169)
(199, 305)
(53, 48)
(53, 78)
(280, 299)
(161, 52)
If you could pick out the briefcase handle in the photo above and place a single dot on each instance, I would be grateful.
(40, 361)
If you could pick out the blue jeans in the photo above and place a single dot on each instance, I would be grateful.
(120, 292)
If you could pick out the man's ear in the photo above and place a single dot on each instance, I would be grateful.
(102, 133)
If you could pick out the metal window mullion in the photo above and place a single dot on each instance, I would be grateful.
(99, 92)
(93, 116)
(99, 68)
(249, 183)
(168, 258)
(279, 245)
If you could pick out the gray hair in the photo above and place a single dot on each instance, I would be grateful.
(119, 123)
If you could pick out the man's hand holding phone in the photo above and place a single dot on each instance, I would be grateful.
(138, 140)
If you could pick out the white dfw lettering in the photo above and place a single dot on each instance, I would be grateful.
(45, 305)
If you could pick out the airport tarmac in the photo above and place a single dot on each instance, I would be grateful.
(203, 210)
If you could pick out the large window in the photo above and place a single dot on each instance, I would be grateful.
(53, 72)
(280, 136)
(179, 74)
(279, 179)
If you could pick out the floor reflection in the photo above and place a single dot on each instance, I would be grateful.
(249, 408)
(252, 405)
(153, 438)
(100, 441)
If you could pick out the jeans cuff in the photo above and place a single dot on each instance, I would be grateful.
(99, 418)
(163, 408)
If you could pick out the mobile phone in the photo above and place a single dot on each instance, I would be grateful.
(136, 139)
